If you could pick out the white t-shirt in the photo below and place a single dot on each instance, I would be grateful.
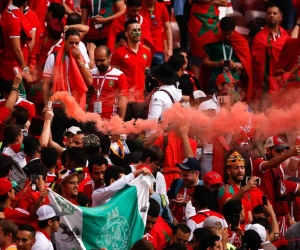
(42, 242)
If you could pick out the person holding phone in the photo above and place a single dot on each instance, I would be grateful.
(233, 190)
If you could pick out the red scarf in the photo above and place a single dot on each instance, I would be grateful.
(241, 49)
(77, 85)
(25, 25)
(261, 45)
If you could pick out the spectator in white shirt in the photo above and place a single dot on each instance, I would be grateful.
(49, 222)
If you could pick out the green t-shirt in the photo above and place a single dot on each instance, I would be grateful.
(215, 53)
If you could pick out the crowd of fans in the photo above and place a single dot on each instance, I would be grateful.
(230, 191)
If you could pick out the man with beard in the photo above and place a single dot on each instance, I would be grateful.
(270, 170)
(110, 89)
(232, 190)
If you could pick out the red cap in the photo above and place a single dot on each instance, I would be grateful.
(212, 178)
(276, 142)
(5, 186)
(225, 77)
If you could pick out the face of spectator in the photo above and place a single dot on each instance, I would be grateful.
(272, 152)
(273, 16)
(150, 223)
(236, 173)
(55, 223)
(12, 194)
(180, 237)
(102, 61)
(195, 243)
(218, 246)
(189, 177)
(25, 241)
(227, 34)
(133, 12)
(185, 59)
(70, 140)
(121, 43)
(70, 187)
(77, 141)
(134, 32)
(226, 87)
(4, 239)
(72, 41)
(98, 174)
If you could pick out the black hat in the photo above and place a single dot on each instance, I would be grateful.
(189, 164)
(165, 73)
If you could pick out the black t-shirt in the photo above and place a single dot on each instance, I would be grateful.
(187, 83)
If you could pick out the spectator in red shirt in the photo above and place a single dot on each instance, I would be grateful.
(49, 159)
(8, 235)
(121, 39)
(152, 218)
(102, 13)
(110, 87)
(158, 17)
(133, 59)
(14, 23)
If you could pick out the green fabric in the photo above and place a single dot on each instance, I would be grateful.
(215, 53)
(222, 192)
(22, 91)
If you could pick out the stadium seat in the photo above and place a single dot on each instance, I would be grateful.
(256, 19)
(240, 21)
(260, 5)
(243, 31)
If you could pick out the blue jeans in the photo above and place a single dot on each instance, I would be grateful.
(157, 59)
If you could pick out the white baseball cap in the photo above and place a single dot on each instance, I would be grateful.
(259, 229)
(73, 130)
(198, 94)
(213, 222)
(47, 212)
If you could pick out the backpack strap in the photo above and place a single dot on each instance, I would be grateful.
(167, 92)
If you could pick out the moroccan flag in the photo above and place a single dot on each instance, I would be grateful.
(117, 224)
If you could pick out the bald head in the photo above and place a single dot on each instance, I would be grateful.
(102, 58)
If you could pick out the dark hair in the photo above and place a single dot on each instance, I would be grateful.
(105, 144)
(26, 227)
(113, 172)
(251, 240)
(227, 24)
(71, 32)
(121, 36)
(2, 207)
(77, 155)
(230, 208)
(129, 22)
(274, 5)
(49, 157)
(36, 126)
(3, 198)
(37, 169)
(8, 227)
(91, 145)
(6, 165)
(201, 196)
(57, 10)
(284, 247)
(210, 241)
(31, 145)
(142, 244)
(201, 233)
(179, 50)
(154, 208)
(177, 246)
(20, 114)
(264, 222)
(11, 132)
(134, 3)
(177, 61)
(107, 50)
(73, 18)
(182, 227)
(18, 3)
(82, 199)
(154, 153)
(44, 223)
(97, 160)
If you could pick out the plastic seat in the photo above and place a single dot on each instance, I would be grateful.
(260, 5)
(243, 31)
(240, 21)
(254, 14)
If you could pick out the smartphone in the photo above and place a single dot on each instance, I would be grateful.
(235, 222)
(33, 178)
(265, 200)
(226, 63)
(258, 180)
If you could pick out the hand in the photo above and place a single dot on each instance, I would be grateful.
(27, 76)
(180, 201)
(221, 64)
(144, 171)
(168, 53)
(99, 19)
(232, 65)
(49, 115)
(269, 209)
(43, 195)
(183, 131)
(76, 53)
(17, 80)
(251, 184)
(151, 191)
(91, 47)
(224, 234)
(40, 183)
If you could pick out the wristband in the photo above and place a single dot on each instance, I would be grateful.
(15, 89)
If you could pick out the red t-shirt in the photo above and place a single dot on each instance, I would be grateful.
(114, 83)
(234, 239)
(255, 197)
(133, 65)
(161, 16)
(22, 103)
(17, 215)
(87, 178)
(4, 114)
(40, 9)
(88, 189)
(106, 10)
(11, 28)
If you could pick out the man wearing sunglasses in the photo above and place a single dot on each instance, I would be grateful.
(270, 170)
(49, 222)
